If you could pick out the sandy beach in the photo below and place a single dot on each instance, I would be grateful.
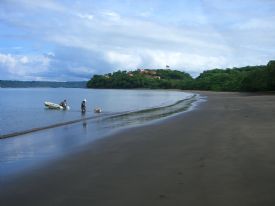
(222, 153)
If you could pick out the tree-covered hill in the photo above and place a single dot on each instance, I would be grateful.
(164, 79)
(250, 78)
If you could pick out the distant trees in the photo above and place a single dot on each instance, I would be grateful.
(26, 84)
(172, 74)
(271, 75)
(255, 80)
(261, 79)
(236, 79)
(250, 78)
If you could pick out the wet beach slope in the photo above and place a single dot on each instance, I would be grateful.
(222, 153)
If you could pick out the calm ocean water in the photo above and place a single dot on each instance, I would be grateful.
(23, 109)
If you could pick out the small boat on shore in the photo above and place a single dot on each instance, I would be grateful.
(51, 105)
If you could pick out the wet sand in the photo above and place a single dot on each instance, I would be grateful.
(222, 153)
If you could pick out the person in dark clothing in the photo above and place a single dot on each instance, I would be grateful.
(63, 104)
(83, 106)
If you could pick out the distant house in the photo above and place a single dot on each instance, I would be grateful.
(141, 71)
(151, 74)
(157, 77)
(145, 71)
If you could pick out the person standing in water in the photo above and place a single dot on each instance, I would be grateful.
(83, 106)
(63, 104)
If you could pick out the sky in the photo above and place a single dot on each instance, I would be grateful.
(66, 40)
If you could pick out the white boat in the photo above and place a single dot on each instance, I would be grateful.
(51, 105)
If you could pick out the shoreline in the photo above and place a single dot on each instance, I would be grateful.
(222, 153)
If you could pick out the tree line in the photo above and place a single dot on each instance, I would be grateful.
(26, 84)
(249, 78)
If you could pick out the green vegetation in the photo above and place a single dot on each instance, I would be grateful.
(250, 78)
(24, 84)
(153, 79)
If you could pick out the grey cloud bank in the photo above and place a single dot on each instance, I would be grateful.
(54, 40)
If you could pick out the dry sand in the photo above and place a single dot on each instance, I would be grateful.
(221, 154)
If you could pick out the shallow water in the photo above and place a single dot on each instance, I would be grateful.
(23, 109)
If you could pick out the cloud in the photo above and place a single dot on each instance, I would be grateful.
(256, 24)
(66, 41)
(159, 59)
(33, 4)
(73, 63)
(7, 60)
(111, 15)
(123, 60)
(23, 66)
(86, 16)
(50, 54)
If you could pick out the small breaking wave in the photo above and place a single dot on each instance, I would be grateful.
(150, 114)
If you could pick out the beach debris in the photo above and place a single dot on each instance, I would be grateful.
(97, 110)
(162, 196)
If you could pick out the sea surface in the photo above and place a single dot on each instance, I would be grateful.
(38, 135)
